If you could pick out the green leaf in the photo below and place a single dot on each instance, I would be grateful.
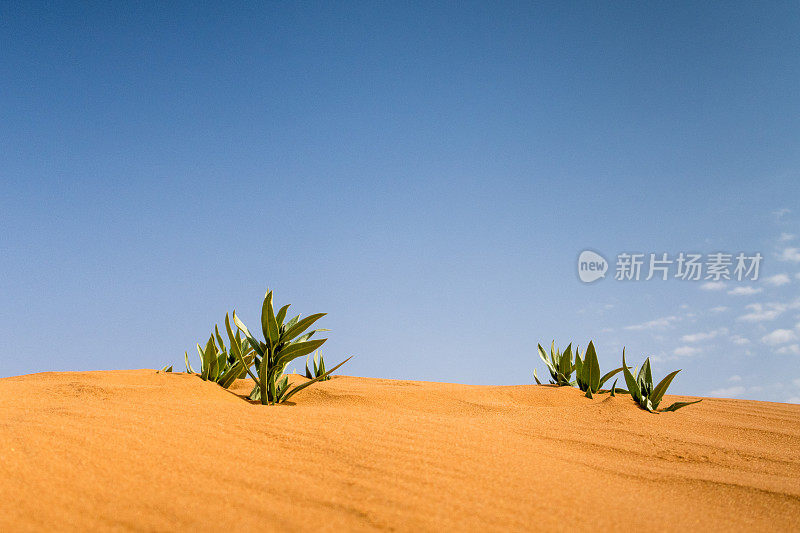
(536, 377)
(262, 380)
(633, 386)
(211, 358)
(662, 387)
(292, 322)
(318, 378)
(645, 376)
(252, 340)
(301, 326)
(269, 324)
(589, 393)
(299, 349)
(610, 375)
(677, 405)
(281, 314)
(189, 368)
(222, 364)
(203, 363)
(255, 394)
(565, 363)
(219, 339)
(543, 356)
(593, 374)
(613, 387)
(246, 363)
(231, 375)
(235, 347)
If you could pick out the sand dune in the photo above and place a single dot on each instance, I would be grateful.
(145, 451)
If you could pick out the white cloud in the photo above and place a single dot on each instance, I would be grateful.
(738, 339)
(719, 309)
(653, 324)
(786, 237)
(779, 336)
(712, 286)
(745, 291)
(729, 392)
(777, 280)
(791, 349)
(763, 312)
(780, 213)
(735, 379)
(793, 399)
(703, 336)
(686, 351)
(790, 254)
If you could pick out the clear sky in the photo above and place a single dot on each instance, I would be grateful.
(425, 173)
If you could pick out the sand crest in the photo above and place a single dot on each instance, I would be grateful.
(145, 451)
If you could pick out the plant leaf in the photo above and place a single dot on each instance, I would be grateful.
(252, 340)
(579, 371)
(565, 362)
(189, 369)
(301, 326)
(219, 340)
(298, 349)
(281, 315)
(292, 322)
(633, 386)
(318, 378)
(610, 375)
(677, 405)
(662, 387)
(593, 374)
(269, 324)
(543, 356)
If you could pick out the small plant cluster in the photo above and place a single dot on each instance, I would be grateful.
(588, 379)
(284, 341)
(317, 369)
(217, 362)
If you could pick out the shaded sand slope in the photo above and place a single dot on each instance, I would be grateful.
(146, 451)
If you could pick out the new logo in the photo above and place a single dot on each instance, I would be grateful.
(591, 266)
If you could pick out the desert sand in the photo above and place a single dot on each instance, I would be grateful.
(137, 450)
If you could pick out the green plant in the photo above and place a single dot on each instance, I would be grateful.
(318, 367)
(560, 365)
(642, 390)
(217, 363)
(283, 343)
(167, 368)
(587, 371)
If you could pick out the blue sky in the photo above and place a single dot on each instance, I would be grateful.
(426, 174)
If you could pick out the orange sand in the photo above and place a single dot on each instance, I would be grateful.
(144, 451)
